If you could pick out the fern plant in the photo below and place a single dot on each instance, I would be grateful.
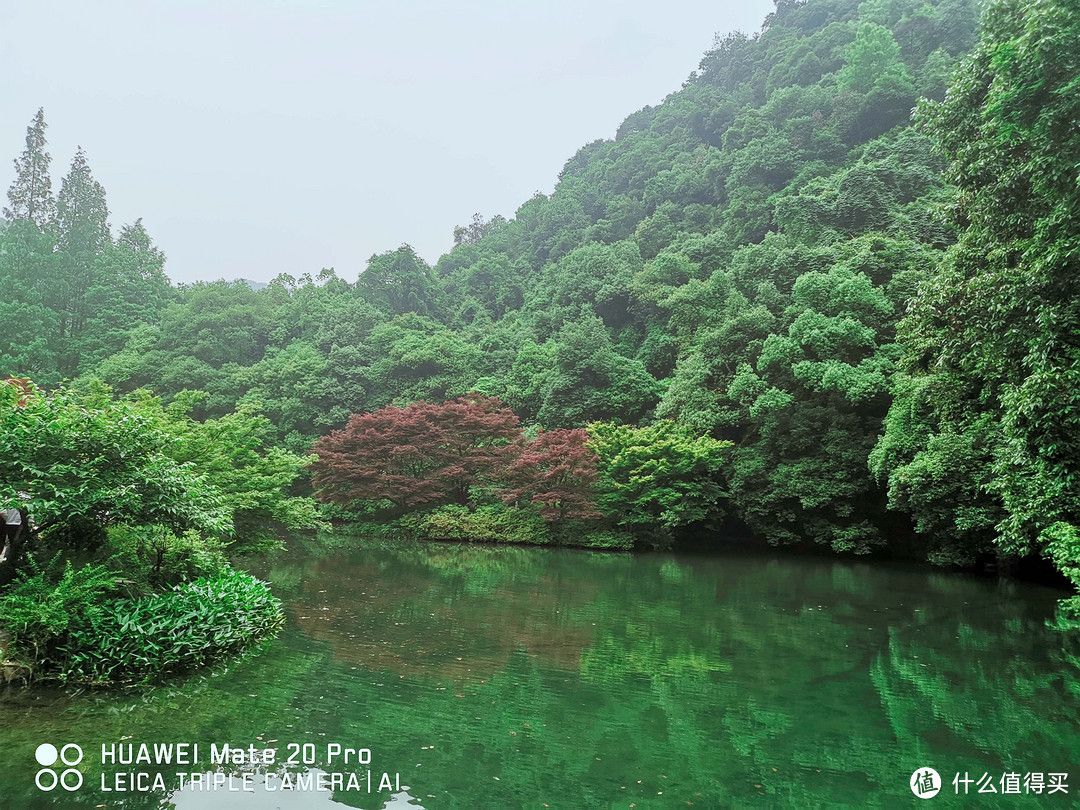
(46, 601)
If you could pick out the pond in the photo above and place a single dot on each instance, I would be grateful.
(459, 676)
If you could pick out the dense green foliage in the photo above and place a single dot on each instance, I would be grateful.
(130, 497)
(657, 479)
(193, 624)
(237, 458)
(61, 623)
(46, 602)
(86, 461)
(880, 317)
(983, 441)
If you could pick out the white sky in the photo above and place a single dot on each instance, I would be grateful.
(256, 137)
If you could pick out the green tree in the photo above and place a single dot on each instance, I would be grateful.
(82, 215)
(27, 266)
(874, 56)
(292, 386)
(254, 478)
(596, 275)
(397, 282)
(30, 196)
(129, 289)
(86, 461)
(811, 408)
(590, 381)
(655, 480)
(991, 337)
(218, 323)
(874, 70)
(414, 357)
(82, 239)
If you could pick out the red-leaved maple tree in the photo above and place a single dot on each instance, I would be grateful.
(556, 472)
(424, 453)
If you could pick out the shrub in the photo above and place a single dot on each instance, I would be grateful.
(659, 479)
(153, 557)
(44, 602)
(488, 524)
(192, 625)
(502, 524)
(1063, 548)
(603, 538)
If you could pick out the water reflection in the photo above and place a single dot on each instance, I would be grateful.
(263, 790)
(505, 677)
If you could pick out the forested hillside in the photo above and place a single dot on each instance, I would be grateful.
(878, 310)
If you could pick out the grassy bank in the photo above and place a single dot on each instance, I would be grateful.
(484, 524)
(67, 624)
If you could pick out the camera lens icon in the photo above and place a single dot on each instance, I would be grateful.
(47, 779)
(46, 754)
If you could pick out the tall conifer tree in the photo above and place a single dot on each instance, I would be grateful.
(82, 216)
(82, 233)
(30, 196)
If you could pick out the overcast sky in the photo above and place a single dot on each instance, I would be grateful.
(256, 137)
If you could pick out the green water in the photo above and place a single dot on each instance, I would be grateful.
(482, 677)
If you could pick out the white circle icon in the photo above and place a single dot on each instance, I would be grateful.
(49, 774)
(925, 783)
(46, 754)
(67, 756)
(71, 779)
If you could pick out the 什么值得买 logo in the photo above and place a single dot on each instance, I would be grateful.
(925, 783)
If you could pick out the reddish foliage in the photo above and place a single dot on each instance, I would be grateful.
(557, 472)
(420, 454)
(23, 387)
